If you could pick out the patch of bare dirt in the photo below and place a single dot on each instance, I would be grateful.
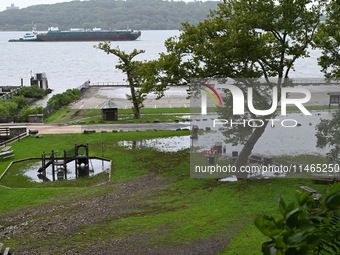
(49, 229)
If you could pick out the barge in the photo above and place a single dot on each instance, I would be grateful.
(79, 34)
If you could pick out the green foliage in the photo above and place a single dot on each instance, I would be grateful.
(64, 98)
(140, 75)
(8, 107)
(308, 227)
(32, 92)
(244, 39)
(119, 14)
(328, 39)
(21, 101)
(28, 110)
(328, 134)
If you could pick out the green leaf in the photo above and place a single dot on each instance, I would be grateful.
(303, 198)
(333, 201)
(282, 205)
(291, 213)
(268, 248)
(296, 239)
(335, 188)
(267, 225)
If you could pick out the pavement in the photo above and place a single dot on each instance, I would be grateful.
(72, 129)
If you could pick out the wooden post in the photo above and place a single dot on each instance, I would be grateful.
(65, 165)
(43, 165)
(75, 160)
(53, 167)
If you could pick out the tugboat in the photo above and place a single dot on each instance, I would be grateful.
(28, 37)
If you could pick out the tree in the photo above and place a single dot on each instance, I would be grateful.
(141, 76)
(328, 133)
(246, 39)
(328, 39)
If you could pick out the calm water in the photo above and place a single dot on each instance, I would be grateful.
(70, 64)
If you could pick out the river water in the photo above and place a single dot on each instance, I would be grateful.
(70, 64)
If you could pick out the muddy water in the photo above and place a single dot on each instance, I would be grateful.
(95, 167)
(277, 140)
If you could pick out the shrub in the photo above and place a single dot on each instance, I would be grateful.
(28, 110)
(306, 228)
(32, 92)
(21, 101)
(8, 108)
(65, 98)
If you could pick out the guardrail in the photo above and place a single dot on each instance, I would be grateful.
(16, 138)
(118, 84)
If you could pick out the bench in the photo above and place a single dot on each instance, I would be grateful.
(312, 192)
(5, 148)
(6, 154)
(326, 178)
(260, 159)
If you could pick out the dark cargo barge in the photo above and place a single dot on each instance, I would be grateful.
(79, 34)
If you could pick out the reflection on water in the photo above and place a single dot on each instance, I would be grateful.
(275, 141)
(168, 144)
(96, 166)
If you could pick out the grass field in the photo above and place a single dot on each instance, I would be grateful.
(181, 211)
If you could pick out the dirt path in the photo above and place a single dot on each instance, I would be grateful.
(53, 229)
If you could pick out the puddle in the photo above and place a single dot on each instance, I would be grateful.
(167, 144)
(96, 166)
(275, 141)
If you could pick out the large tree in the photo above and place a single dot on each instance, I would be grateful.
(141, 75)
(328, 39)
(247, 39)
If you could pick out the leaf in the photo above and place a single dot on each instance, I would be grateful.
(296, 239)
(333, 201)
(268, 248)
(267, 225)
(282, 205)
(302, 198)
(335, 188)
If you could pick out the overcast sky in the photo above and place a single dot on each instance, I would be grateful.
(26, 3)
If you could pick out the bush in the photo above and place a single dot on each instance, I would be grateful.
(308, 227)
(65, 98)
(32, 92)
(21, 101)
(28, 110)
(8, 108)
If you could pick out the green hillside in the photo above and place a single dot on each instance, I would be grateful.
(107, 14)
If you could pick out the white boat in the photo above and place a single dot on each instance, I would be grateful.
(29, 36)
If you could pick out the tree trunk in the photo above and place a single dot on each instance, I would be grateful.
(243, 156)
(135, 103)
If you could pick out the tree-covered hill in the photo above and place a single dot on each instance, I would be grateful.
(107, 14)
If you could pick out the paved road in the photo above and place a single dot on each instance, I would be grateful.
(71, 129)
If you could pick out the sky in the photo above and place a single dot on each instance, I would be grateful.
(26, 3)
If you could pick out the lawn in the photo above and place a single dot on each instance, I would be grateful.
(178, 212)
